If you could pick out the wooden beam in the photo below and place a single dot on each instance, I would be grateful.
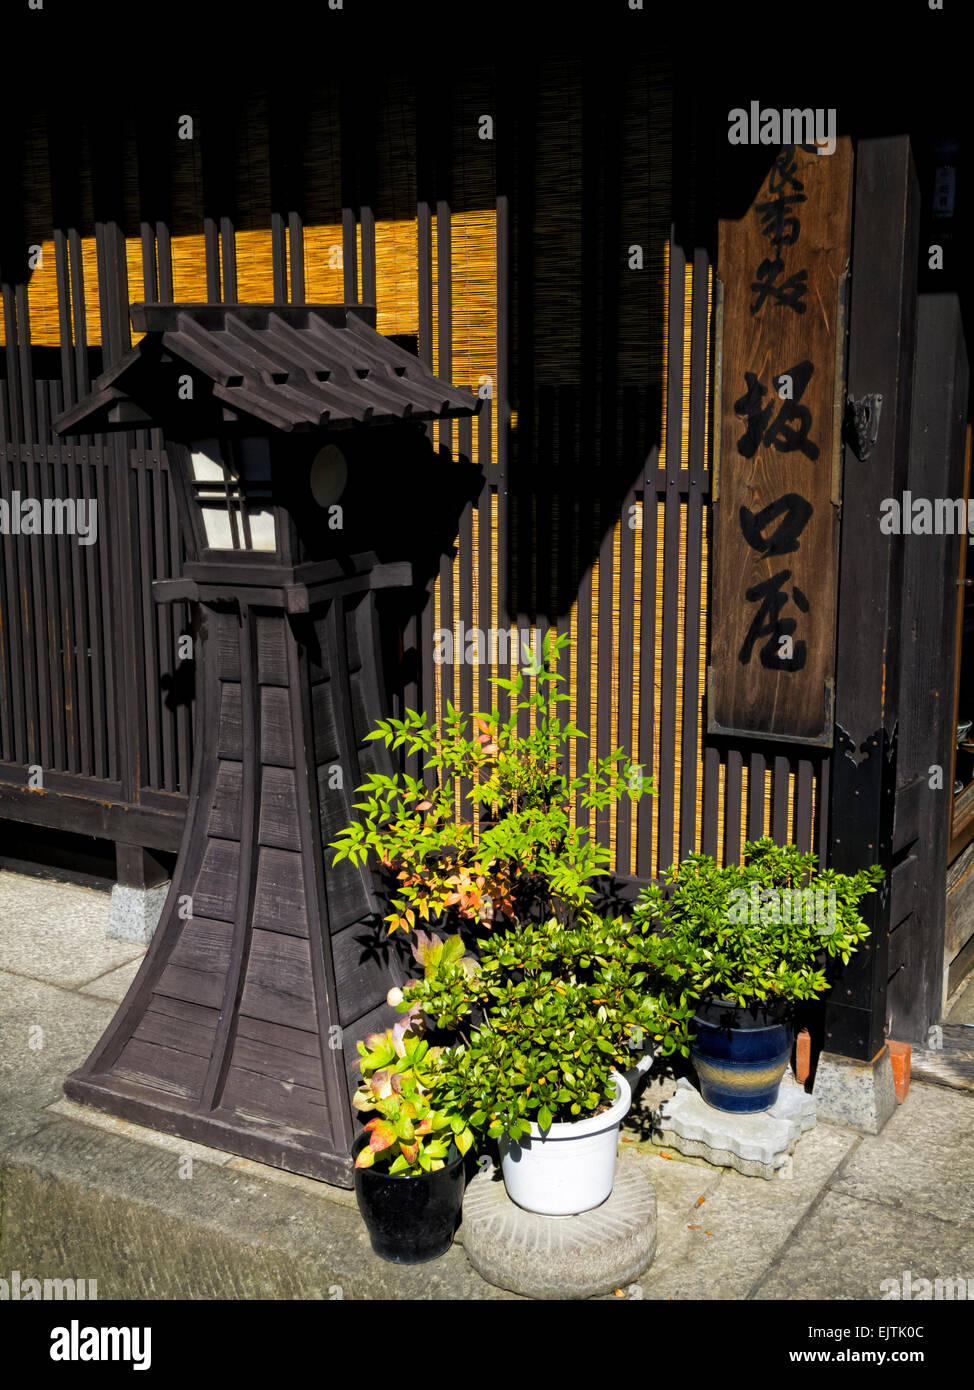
(882, 318)
(926, 720)
(83, 814)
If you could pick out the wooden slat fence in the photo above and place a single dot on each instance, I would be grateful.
(512, 262)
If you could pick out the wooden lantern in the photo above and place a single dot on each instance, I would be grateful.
(288, 431)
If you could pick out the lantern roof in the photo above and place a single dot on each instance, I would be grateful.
(290, 366)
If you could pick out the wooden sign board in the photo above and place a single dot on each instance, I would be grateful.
(780, 375)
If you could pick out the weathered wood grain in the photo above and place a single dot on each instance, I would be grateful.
(780, 406)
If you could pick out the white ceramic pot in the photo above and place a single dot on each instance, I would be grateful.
(571, 1167)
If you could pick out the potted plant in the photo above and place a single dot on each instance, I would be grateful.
(741, 944)
(409, 1162)
(561, 1009)
(544, 999)
(521, 855)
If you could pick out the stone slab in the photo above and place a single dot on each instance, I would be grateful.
(114, 985)
(758, 1145)
(719, 1231)
(45, 1032)
(924, 1160)
(56, 931)
(82, 1202)
(134, 913)
(849, 1248)
(561, 1257)
(172, 1143)
(851, 1092)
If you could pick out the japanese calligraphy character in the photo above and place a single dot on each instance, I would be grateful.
(794, 511)
(778, 220)
(782, 174)
(790, 428)
(790, 293)
(768, 622)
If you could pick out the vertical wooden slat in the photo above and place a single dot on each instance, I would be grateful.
(13, 273)
(610, 140)
(627, 616)
(349, 145)
(733, 808)
(6, 695)
(159, 628)
(757, 767)
(823, 827)
(444, 348)
(779, 800)
(279, 137)
(711, 801)
(100, 609)
(522, 540)
(62, 272)
(427, 620)
(296, 200)
(52, 558)
(367, 223)
(502, 413)
(29, 617)
(210, 157)
(803, 805)
(671, 554)
(153, 171)
(29, 402)
(83, 688)
(229, 129)
(124, 717)
(693, 596)
(7, 743)
(14, 404)
(467, 561)
(14, 630)
(367, 191)
(586, 653)
(647, 665)
(35, 551)
(77, 274)
(162, 210)
(485, 554)
(183, 711)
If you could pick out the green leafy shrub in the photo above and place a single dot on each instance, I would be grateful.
(559, 1007)
(555, 996)
(754, 931)
(400, 1075)
(520, 856)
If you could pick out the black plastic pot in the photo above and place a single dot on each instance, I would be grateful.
(740, 1055)
(410, 1219)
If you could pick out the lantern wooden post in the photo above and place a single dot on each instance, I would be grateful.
(269, 962)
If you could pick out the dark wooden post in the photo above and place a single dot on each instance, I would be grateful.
(881, 360)
(136, 867)
(921, 826)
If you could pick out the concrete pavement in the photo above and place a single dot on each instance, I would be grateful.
(152, 1217)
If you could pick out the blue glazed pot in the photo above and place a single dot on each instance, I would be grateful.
(740, 1055)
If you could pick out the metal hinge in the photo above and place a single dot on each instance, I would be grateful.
(862, 424)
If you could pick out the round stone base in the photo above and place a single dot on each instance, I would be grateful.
(555, 1257)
